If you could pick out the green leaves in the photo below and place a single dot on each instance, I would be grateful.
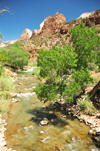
(56, 61)
(1, 36)
(85, 40)
(66, 69)
(17, 57)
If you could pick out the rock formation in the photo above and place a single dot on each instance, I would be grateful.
(85, 15)
(93, 20)
(50, 24)
(27, 33)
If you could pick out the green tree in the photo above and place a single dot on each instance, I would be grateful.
(55, 66)
(3, 55)
(17, 57)
(66, 70)
(85, 41)
(1, 37)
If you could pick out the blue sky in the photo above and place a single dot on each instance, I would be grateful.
(30, 13)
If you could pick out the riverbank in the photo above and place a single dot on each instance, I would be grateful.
(5, 102)
(92, 121)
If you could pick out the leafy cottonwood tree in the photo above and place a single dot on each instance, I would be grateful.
(56, 65)
(17, 57)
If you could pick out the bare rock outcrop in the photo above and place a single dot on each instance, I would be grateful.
(50, 24)
(93, 20)
(37, 32)
(85, 15)
(27, 33)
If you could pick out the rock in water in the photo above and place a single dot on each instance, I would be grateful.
(44, 122)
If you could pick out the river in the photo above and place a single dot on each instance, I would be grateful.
(24, 131)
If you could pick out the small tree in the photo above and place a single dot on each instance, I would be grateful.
(56, 65)
(17, 57)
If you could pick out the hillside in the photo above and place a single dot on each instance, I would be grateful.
(54, 31)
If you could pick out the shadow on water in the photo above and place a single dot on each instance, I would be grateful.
(53, 115)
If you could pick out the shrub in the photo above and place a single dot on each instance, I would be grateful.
(92, 66)
(3, 55)
(32, 63)
(97, 11)
(57, 62)
(83, 105)
(1, 69)
(36, 71)
(6, 83)
(17, 57)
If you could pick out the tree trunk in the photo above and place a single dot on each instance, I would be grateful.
(95, 89)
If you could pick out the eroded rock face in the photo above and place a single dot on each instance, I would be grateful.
(85, 15)
(50, 24)
(35, 32)
(93, 20)
(27, 33)
(64, 29)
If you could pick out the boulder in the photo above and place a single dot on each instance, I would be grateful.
(44, 122)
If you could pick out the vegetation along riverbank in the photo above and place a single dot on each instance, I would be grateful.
(69, 70)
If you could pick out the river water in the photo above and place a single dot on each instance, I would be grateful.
(24, 132)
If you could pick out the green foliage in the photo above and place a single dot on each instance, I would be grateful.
(97, 11)
(55, 64)
(36, 71)
(56, 61)
(3, 55)
(3, 59)
(17, 57)
(6, 83)
(1, 36)
(86, 104)
(66, 69)
(1, 70)
(92, 66)
(34, 63)
(85, 40)
(97, 58)
(83, 105)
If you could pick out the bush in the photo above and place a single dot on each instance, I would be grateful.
(83, 105)
(36, 71)
(17, 57)
(1, 69)
(6, 83)
(97, 11)
(3, 55)
(58, 62)
(92, 66)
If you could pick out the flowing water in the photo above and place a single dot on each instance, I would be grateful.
(24, 132)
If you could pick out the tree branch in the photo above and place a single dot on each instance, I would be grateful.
(4, 10)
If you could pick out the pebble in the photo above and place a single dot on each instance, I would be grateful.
(42, 132)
